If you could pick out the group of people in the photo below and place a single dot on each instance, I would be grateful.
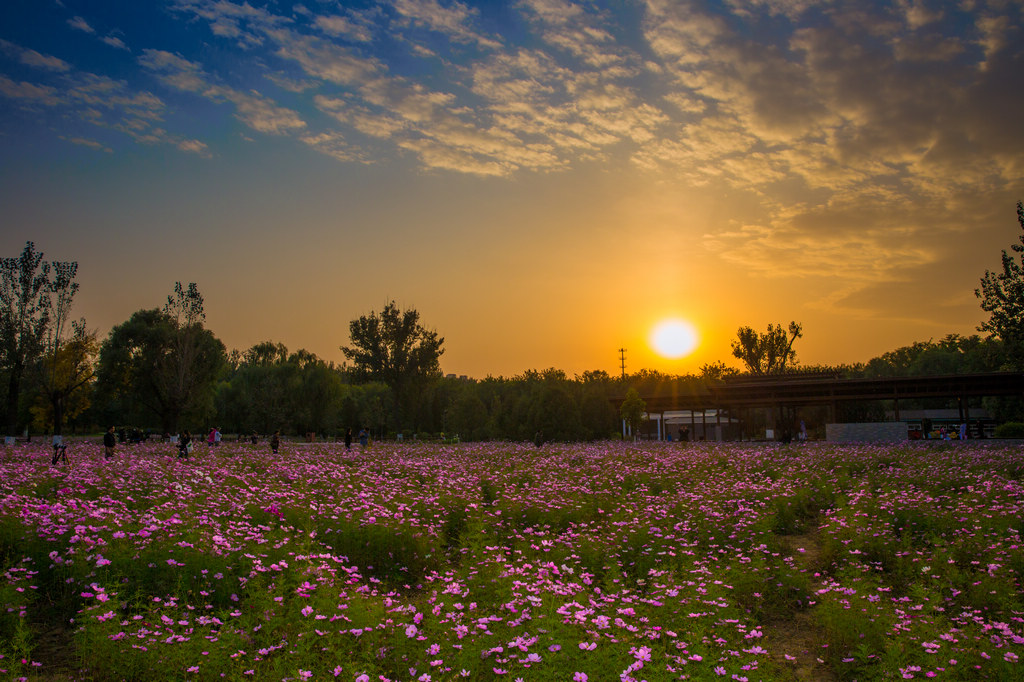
(186, 443)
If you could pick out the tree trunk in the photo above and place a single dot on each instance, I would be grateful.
(58, 414)
(13, 389)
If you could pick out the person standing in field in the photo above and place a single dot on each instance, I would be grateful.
(109, 441)
(275, 442)
(184, 445)
(216, 436)
(348, 439)
(364, 437)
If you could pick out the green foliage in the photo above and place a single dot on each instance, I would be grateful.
(633, 410)
(953, 354)
(64, 376)
(468, 415)
(398, 556)
(33, 305)
(1002, 296)
(767, 353)
(1010, 430)
(272, 390)
(162, 365)
(395, 349)
(795, 513)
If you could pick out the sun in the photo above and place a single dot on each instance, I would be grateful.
(674, 338)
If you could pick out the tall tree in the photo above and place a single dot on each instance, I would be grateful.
(66, 373)
(69, 350)
(162, 363)
(767, 353)
(633, 411)
(27, 295)
(188, 369)
(395, 349)
(1002, 297)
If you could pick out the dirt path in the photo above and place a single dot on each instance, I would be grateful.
(796, 644)
(54, 649)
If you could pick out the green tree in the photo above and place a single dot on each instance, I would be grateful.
(163, 364)
(373, 401)
(716, 371)
(554, 413)
(316, 392)
(395, 349)
(65, 373)
(767, 353)
(1002, 297)
(467, 416)
(67, 363)
(597, 416)
(26, 305)
(256, 396)
(633, 411)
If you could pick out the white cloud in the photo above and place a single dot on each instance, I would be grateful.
(34, 59)
(324, 60)
(255, 110)
(91, 144)
(29, 92)
(444, 157)
(175, 70)
(80, 24)
(115, 42)
(260, 113)
(343, 27)
(194, 147)
(453, 20)
(334, 145)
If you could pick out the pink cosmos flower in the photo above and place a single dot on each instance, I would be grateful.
(579, 677)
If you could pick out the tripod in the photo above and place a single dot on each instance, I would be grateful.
(60, 452)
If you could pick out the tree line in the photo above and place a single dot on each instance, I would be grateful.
(163, 370)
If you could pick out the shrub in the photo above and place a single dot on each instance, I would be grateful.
(1010, 430)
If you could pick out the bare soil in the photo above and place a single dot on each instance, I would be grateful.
(796, 644)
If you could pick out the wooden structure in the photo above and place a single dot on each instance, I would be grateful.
(829, 390)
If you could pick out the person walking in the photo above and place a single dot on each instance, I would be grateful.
(348, 439)
(275, 442)
(109, 441)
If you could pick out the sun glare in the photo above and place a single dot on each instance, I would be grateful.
(674, 338)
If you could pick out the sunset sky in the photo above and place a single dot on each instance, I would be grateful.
(543, 180)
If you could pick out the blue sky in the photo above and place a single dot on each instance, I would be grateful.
(543, 180)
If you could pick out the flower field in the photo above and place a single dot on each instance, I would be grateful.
(609, 561)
